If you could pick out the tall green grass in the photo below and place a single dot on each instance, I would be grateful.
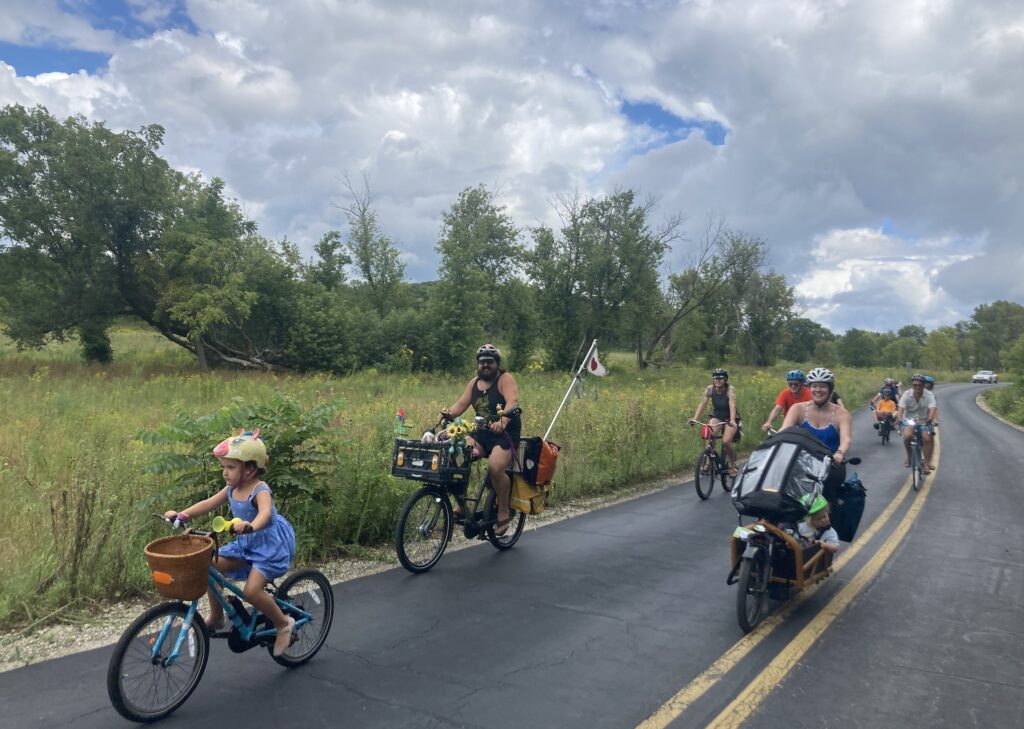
(76, 501)
(1007, 401)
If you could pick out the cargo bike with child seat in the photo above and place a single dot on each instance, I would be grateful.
(769, 558)
(160, 658)
(442, 462)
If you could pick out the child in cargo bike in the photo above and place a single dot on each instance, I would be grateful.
(493, 390)
(265, 546)
(816, 530)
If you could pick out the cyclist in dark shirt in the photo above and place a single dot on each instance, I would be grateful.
(722, 397)
(493, 389)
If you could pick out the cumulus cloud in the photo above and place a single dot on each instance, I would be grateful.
(842, 118)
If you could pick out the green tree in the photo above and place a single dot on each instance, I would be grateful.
(600, 276)
(480, 255)
(901, 350)
(801, 339)
(79, 203)
(826, 354)
(940, 349)
(856, 348)
(916, 332)
(991, 327)
(377, 261)
(1013, 356)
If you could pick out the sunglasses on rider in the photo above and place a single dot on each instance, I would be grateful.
(486, 360)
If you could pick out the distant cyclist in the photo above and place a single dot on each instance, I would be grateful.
(919, 405)
(722, 397)
(894, 391)
(929, 383)
(796, 391)
(884, 405)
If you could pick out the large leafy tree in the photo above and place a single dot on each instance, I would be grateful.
(599, 277)
(80, 203)
(480, 257)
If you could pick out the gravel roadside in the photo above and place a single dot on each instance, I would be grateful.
(36, 644)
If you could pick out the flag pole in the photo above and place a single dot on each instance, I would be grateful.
(571, 385)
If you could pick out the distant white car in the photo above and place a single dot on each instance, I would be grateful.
(985, 376)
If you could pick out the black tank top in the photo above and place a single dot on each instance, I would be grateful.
(720, 403)
(486, 402)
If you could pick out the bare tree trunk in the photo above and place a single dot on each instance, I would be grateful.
(197, 341)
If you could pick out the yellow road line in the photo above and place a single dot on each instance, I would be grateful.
(750, 698)
(682, 700)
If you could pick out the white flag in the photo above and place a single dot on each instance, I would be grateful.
(594, 366)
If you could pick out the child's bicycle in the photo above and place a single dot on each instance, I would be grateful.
(427, 520)
(711, 464)
(161, 656)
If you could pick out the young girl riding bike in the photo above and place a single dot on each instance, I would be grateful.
(265, 545)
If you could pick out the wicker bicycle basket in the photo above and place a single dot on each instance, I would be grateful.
(180, 565)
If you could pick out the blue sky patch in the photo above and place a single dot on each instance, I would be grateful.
(127, 20)
(29, 61)
(673, 127)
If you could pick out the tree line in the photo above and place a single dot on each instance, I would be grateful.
(97, 226)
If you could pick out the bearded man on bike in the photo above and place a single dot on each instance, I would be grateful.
(919, 405)
(493, 389)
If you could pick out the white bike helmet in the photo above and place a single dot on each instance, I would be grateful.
(820, 374)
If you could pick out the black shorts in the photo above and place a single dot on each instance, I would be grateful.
(487, 440)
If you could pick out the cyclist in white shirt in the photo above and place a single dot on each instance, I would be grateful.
(917, 404)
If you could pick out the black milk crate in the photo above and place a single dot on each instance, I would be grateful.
(415, 459)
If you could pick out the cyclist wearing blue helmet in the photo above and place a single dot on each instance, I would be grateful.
(796, 391)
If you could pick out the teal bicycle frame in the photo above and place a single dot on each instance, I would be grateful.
(248, 632)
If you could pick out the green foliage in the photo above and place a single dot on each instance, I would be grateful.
(856, 348)
(1013, 356)
(801, 339)
(293, 438)
(992, 326)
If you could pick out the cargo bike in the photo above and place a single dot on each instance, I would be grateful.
(443, 463)
(769, 558)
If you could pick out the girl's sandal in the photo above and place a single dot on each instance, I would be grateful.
(284, 638)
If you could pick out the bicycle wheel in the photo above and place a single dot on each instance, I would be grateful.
(311, 592)
(915, 466)
(515, 527)
(140, 683)
(726, 479)
(704, 474)
(753, 591)
(884, 429)
(423, 530)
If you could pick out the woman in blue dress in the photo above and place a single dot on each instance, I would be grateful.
(265, 546)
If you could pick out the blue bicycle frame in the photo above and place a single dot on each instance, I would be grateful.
(248, 632)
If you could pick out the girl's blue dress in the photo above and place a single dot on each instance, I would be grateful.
(270, 549)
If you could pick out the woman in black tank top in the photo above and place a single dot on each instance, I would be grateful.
(722, 398)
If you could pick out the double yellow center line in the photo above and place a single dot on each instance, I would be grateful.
(751, 697)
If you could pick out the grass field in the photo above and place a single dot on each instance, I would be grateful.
(77, 501)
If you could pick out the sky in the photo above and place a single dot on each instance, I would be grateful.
(874, 145)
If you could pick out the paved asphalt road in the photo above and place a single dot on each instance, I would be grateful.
(599, 620)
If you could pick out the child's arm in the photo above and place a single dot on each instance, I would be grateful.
(202, 507)
(265, 505)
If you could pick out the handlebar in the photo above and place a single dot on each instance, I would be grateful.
(181, 519)
(694, 421)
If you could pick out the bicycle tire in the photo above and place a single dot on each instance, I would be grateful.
(726, 477)
(884, 428)
(132, 666)
(753, 593)
(915, 467)
(704, 474)
(515, 527)
(307, 590)
(422, 546)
